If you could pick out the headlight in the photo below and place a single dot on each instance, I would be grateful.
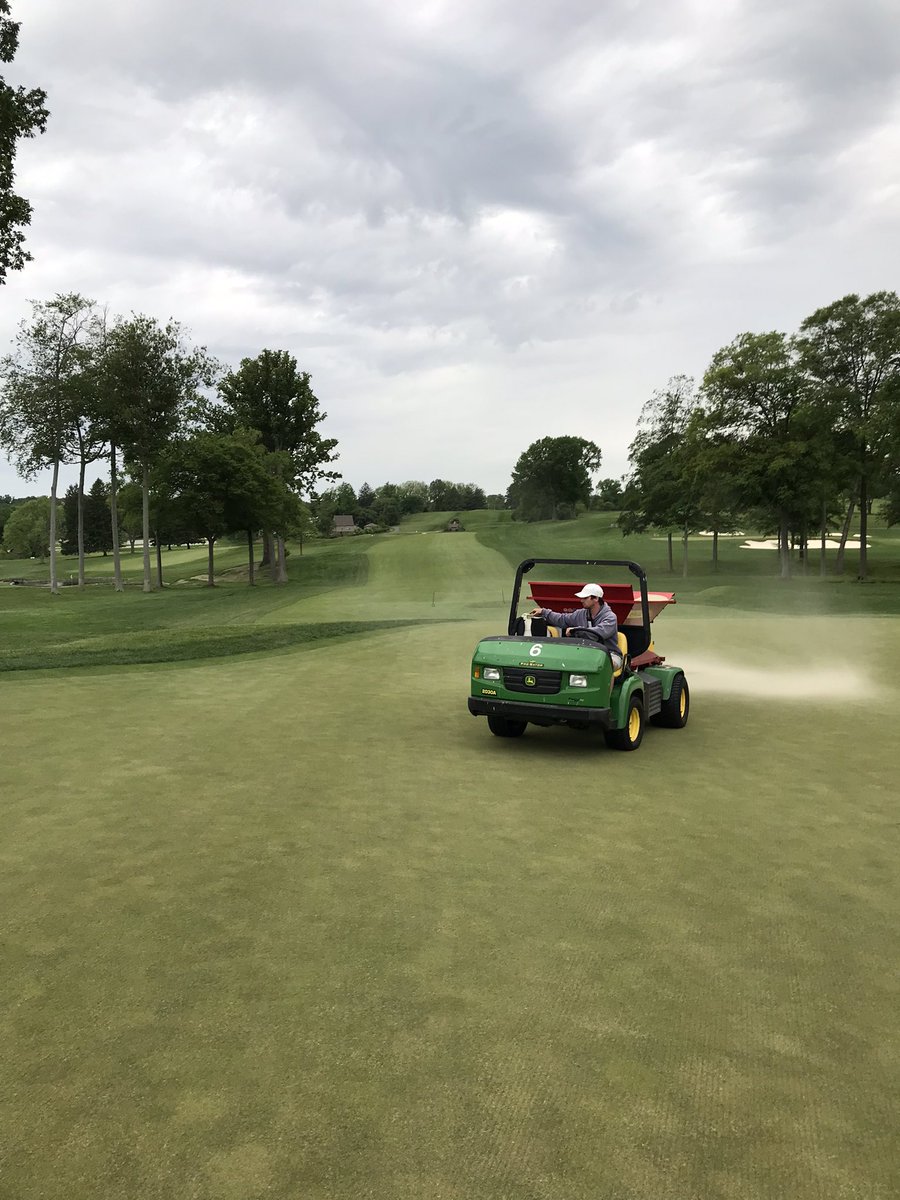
(491, 673)
(578, 681)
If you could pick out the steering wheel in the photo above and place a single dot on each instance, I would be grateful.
(591, 635)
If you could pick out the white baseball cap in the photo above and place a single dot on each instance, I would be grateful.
(590, 589)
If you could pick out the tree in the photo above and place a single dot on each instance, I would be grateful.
(106, 413)
(608, 495)
(758, 397)
(67, 544)
(386, 510)
(269, 394)
(715, 463)
(365, 500)
(89, 434)
(97, 528)
(552, 476)
(412, 496)
(152, 375)
(172, 521)
(87, 524)
(471, 497)
(131, 511)
(892, 507)
(443, 496)
(851, 351)
(22, 114)
(223, 482)
(27, 532)
(340, 500)
(662, 491)
(345, 500)
(43, 388)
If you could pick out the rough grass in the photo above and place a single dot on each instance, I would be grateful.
(296, 925)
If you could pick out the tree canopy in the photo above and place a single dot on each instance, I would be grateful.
(26, 533)
(151, 376)
(270, 394)
(43, 391)
(22, 115)
(222, 481)
(552, 477)
(662, 491)
(850, 351)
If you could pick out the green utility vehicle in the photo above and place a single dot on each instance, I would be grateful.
(534, 676)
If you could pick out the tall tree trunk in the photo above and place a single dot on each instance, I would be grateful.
(273, 557)
(282, 561)
(211, 566)
(80, 520)
(159, 574)
(715, 549)
(266, 560)
(784, 541)
(145, 496)
(824, 536)
(839, 565)
(114, 518)
(684, 552)
(250, 554)
(863, 528)
(669, 542)
(54, 586)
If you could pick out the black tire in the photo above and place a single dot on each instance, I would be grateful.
(632, 735)
(506, 727)
(675, 711)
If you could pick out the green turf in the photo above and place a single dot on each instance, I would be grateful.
(295, 925)
(181, 563)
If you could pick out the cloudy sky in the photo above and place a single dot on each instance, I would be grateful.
(475, 223)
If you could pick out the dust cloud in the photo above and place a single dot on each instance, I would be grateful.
(815, 683)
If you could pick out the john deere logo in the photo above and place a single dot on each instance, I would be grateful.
(530, 681)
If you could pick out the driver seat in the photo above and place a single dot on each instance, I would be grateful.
(622, 643)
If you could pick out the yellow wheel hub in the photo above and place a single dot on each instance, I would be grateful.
(682, 703)
(634, 724)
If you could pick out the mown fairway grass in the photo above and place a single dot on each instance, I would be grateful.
(289, 924)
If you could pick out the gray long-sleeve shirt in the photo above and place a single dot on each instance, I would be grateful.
(605, 622)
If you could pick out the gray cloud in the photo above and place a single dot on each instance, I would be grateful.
(470, 205)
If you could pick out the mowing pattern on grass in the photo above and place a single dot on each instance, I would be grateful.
(317, 942)
(298, 926)
(179, 645)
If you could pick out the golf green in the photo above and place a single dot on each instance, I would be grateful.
(293, 924)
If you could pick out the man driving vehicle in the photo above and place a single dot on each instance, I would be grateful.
(594, 613)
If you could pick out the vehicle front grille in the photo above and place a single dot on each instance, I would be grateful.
(546, 683)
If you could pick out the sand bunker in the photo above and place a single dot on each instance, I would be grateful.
(814, 544)
(809, 682)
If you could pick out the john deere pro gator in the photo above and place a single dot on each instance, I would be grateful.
(534, 676)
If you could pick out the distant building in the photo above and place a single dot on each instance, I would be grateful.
(341, 525)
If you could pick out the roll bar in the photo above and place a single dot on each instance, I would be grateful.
(529, 564)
